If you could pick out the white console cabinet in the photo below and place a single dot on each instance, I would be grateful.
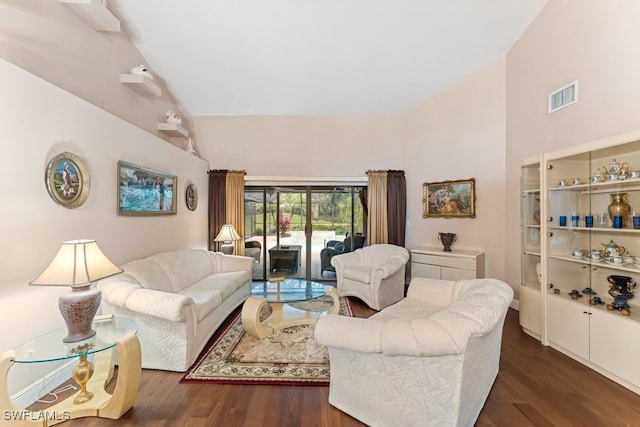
(434, 263)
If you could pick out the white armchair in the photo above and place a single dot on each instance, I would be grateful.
(375, 274)
(429, 360)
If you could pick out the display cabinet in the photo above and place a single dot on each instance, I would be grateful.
(530, 231)
(590, 255)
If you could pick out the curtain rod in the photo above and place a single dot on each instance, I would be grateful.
(226, 171)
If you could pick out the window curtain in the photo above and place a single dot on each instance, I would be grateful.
(217, 205)
(387, 205)
(235, 206)
(396, 207)
(226, 205)
(377, 206)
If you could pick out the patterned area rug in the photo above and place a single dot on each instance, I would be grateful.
(289, 356)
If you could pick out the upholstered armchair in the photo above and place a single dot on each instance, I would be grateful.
(253, 248)
(336, 247)
(428, 360)
(375, 274)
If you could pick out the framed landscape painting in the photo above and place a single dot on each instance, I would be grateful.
(449, 199)
(144, 191)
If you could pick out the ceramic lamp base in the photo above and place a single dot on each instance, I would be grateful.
(78, 309)
(227, 249)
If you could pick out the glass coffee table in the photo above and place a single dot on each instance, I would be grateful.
(279, 295)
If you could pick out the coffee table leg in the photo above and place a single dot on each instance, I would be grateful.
(251, 317)
(281, 316)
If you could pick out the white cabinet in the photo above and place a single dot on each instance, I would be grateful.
(617, 352)
(580, 238)
(596, 337)
(531, 307)
(568, 325)
(434, 263)
(531, 311)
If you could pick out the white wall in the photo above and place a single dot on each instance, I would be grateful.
(301, 145)
(40, 121)
(459, 134)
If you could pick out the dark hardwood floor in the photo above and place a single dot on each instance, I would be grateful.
(536, 386)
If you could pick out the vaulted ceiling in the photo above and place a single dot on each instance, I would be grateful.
(320, 57)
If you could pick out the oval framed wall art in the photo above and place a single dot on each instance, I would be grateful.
(192, 197)
(67, 180)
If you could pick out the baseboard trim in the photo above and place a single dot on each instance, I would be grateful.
(50, 382)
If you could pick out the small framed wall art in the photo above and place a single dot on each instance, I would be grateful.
(191, 197)
(449, 199)
(143, 191)
(67, 180)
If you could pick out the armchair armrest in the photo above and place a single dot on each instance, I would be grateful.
(334, 244)
(391, 267)
(164, 305)
(349, 333)
(345, 260)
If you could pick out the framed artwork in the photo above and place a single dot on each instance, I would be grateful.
(449, 199)
(67, 180)
(144, 191)
(191, 197)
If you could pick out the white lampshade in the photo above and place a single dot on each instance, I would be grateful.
(77, 263)
(227, 234)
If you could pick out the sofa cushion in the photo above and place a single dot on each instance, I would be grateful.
(149, 274)
(236, 278)
(184, 267)
(205, 297)
(209, 293)
(359, 274)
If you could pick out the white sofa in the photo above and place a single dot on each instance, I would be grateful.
(375, 274)
(428, 360)
(178, 299)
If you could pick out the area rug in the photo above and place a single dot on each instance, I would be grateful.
(288, 357)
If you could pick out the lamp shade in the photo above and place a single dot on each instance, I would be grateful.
(227, 234)
(77, 263)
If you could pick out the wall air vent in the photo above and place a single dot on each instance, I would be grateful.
(563, 97)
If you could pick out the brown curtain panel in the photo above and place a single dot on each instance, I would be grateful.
(217, 205)
(396, 207)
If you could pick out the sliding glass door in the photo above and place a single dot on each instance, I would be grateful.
(294, 231)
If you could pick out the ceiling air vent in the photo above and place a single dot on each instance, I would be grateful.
(563, 97)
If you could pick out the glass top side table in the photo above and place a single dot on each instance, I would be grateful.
(49, 347)
(115, 336)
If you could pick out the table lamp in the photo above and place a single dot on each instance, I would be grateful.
(78, 264)
(227, 235)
